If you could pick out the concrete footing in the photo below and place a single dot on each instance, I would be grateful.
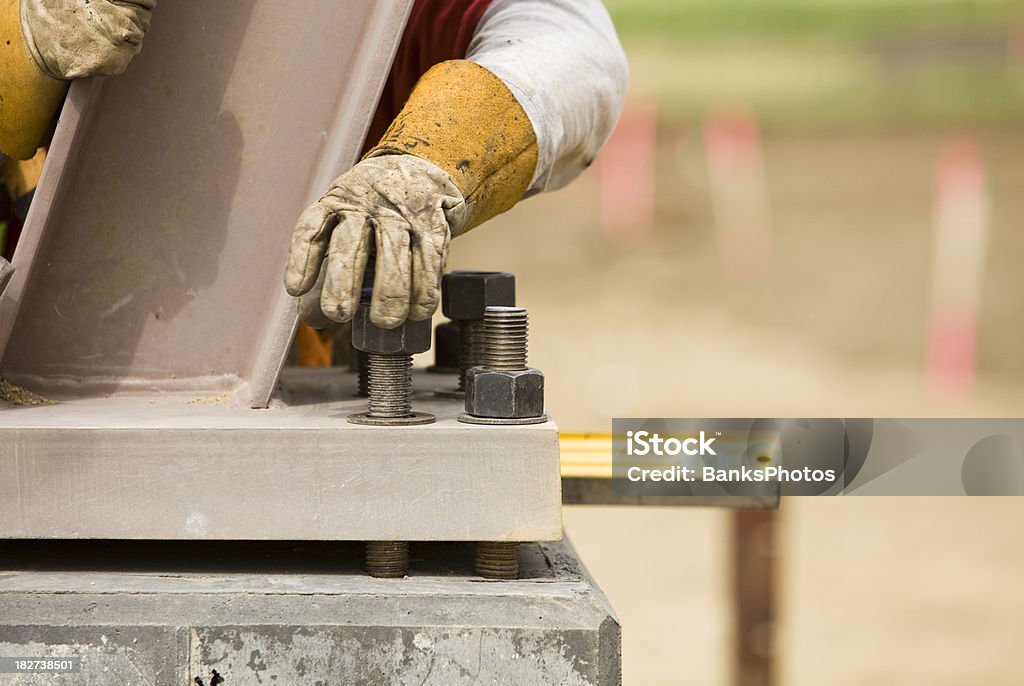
(297, 614)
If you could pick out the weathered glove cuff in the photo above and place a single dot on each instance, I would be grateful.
(465, 120)
(28, 95)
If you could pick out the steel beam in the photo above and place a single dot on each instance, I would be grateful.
(153, 253)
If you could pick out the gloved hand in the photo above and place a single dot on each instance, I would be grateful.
(70, 39)
(461, 151)
(409, 208)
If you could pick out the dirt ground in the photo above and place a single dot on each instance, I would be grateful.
(910, 590)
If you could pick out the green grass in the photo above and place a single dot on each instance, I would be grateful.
(838, 18)
(829, 62)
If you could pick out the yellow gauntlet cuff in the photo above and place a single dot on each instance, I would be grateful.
(28, 96)
(465, 120)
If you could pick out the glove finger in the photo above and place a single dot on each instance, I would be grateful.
(126, 23)
(392, 282)
(309, 244)
(429, 250)
(344, 267)
(309, 305)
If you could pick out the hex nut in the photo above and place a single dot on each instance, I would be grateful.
(465, 294)
(504, 394)
(446, 348)
(406, 339)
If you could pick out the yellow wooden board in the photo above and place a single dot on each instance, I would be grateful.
(586, 455)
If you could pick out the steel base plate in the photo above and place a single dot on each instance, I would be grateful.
(181, 466)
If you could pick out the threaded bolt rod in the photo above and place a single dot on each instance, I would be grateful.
(496, 560)
(390, 385)
(506, 330)
(387, 559)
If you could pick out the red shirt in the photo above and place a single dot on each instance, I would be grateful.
(437, 30)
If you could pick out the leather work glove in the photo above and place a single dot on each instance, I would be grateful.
(405, 206)
(71, 39)
(43, 43)
(461, 151)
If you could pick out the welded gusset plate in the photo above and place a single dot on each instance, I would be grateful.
(180, 467)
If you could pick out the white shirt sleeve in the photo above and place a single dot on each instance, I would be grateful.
(564, 64)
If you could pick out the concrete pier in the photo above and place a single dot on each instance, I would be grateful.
(296, 614)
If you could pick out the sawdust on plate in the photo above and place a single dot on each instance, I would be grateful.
(222, 399)
(16, 395)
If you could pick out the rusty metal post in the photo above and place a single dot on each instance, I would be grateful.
(754, 575)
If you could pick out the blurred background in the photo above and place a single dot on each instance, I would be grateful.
(810, 208)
